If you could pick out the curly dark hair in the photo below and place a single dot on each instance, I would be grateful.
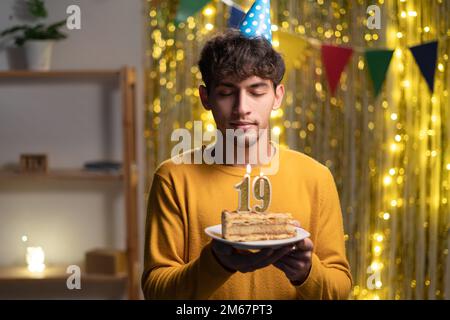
(234, 56)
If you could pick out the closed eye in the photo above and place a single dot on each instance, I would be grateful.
(225, 94)
(258, 94)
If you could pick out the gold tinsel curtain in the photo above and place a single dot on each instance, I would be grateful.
(389, 154)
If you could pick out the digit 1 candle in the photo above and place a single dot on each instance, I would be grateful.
(244, 191)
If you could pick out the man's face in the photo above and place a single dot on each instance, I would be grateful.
(246, 105)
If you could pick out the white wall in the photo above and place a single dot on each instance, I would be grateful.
(73, 121)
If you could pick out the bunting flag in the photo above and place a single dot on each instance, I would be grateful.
(236, 17)
(187, 8)
(155, 3)
(378, 64)
(291, 47)
(426, 57)
(335, 59)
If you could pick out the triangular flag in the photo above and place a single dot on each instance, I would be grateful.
(291, 47)
(335, 59)
(187, 8)
(155, 3)
(378, 62)
(236, 17)
(257, 21)
(426, 56)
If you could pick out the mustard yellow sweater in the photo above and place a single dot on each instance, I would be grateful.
(185, 199)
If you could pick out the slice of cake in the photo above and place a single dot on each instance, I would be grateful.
(254, 226)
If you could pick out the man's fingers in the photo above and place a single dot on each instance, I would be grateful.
(294, 263)
(300, 255)
(304, 245)
(290, 272)
(222, 248)
(269, 259)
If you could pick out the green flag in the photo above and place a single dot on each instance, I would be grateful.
(378, 62)
(187, 8)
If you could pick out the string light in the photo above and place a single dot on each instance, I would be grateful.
(172, 102)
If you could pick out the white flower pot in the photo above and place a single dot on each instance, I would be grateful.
(39, 54)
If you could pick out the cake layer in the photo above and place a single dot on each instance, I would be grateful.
(253, 226)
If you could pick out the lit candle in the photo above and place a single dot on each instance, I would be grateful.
(35, 259)
(244, 191)
(262, 190)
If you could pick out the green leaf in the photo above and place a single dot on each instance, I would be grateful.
(37, 8)
(13, 29)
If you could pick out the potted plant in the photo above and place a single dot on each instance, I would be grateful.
(38, 39)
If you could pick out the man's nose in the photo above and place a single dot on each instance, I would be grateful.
(241, 106)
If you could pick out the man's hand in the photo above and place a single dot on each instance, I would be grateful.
(246, 261)
(297, 264)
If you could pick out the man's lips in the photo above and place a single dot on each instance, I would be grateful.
(245, 125)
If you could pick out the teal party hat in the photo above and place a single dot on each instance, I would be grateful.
(257, 21)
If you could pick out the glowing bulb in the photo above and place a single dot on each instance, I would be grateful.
(448, 166)
(377, 249)
(393, 203)
(406, 84)
(375, 266)
(398, 138)
(403, 14)
(376, 297)
(24, 238)
(379, 237)
(394, 147)
(276, 130)
(386, 216)
(208, 11)
(399, 35)
(387, 180)
(378, 284)
(276, 43)
(210, 127)
(426, 29)
(412, 13)
(441, 67)
(394, 116)
(391, 171)
(35, 259)
(209, 26)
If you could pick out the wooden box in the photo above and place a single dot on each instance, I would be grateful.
(105, 261)
(33, 163)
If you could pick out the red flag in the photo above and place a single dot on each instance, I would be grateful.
(335, 59)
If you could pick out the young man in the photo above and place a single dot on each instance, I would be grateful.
(242, 86)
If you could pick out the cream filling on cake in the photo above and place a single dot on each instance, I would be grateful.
(253, 226)
(259, 229)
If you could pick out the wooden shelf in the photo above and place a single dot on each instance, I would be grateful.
(63, 174)
(19, 283)
(58, 73)
(126, 80)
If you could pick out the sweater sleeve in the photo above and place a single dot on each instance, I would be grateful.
(167, 274)
(330, 276)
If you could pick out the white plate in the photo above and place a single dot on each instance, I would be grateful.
(215, 232)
